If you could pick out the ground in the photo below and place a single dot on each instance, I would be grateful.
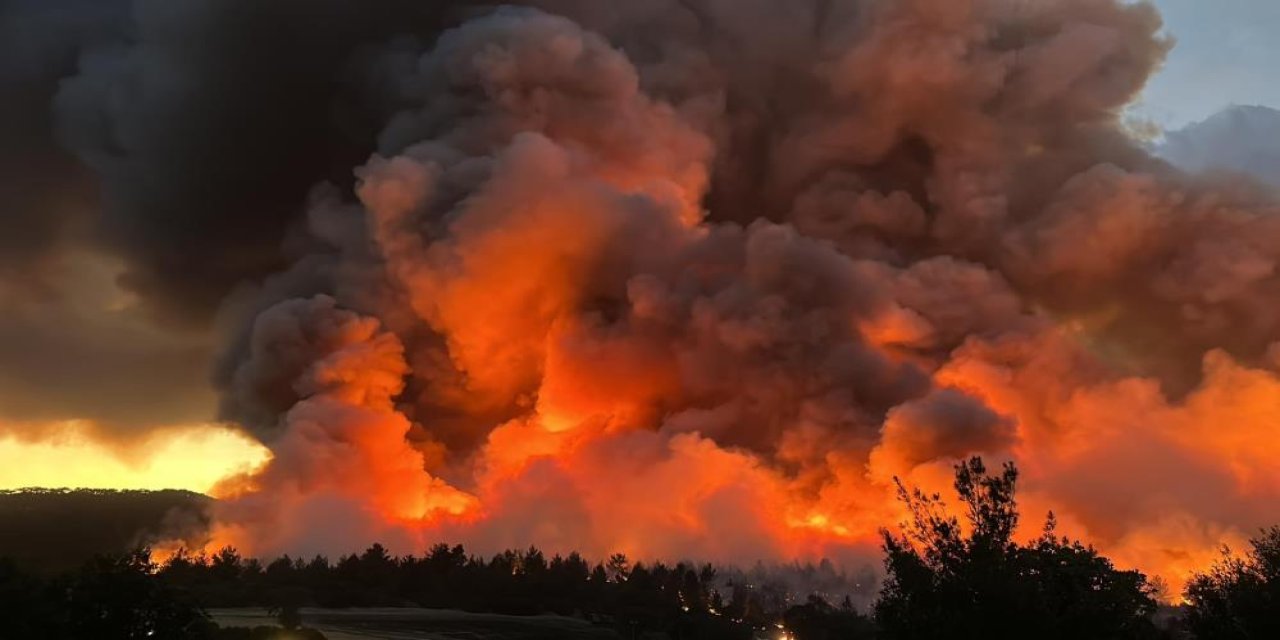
(424, 624)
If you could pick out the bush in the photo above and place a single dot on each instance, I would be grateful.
(1239, 598)
(948, 582)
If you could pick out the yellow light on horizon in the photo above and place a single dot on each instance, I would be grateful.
(193, 457)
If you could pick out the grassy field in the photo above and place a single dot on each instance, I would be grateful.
(425, 624)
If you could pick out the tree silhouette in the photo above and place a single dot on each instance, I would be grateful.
(816, 619)
(618, 567)
(122, 598)
(949, 581)
(1239, 597)
(27, 609)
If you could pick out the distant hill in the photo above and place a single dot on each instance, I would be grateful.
(56, 529)
(1243, 139)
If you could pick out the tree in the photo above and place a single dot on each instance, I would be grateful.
(618, 567)
(1239, 597)
(818, 620)
(122, 598)
(948, 581)
(29, 608)
(227, 564)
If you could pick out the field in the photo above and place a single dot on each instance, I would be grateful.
(425, 624)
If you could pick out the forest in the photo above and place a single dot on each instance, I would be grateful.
(946, 576)
(56, 530)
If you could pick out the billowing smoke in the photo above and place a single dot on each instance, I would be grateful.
(698, 278)
(156, 154)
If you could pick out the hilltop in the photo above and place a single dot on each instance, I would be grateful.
(56, 529)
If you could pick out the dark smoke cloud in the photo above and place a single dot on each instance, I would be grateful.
(181, 137)
(682, 276)
(202, 123)
(83, 350)
(700, 277)
(943, 424)
(45, 191)
(208, 124)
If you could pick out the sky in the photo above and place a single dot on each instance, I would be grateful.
(683, 278)
(1226, 54)
(193, 457)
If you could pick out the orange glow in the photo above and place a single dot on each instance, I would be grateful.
(639, 438)
(584, 469)
(191, 457)
(668, 436)
(540, 336)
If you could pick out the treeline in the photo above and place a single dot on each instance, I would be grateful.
(513, 582)
(681, 600)
(943, 580)
(114, 598)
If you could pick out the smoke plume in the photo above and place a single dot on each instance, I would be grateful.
(156, 156)
(696, 278)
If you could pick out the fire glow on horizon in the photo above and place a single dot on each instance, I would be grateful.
(190, 457)
(594, 361)
(700, 279)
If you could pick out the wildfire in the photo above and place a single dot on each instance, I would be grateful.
(552, 325)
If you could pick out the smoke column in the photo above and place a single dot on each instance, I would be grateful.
(700, 278)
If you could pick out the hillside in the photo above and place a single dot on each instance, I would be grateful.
(55, 529)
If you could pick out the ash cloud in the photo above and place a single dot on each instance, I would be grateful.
(207, 124)
(687, 278)
(181, 139)
(45, 192)
(695, 278)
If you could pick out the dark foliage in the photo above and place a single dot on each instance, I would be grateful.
(121, 597)
(27, 605)
(819, 620)
(949, 581)
(680, 600)
(127, 597)
(111, 598)
(1239, 598)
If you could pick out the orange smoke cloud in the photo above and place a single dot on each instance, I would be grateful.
(680, 299)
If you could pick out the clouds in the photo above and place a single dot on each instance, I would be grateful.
(46, 192)
(1240, 139)
(181, 140)
(341, 446)
(649, 278)
(620, 259)
(1223, 58)
(81, 350)
(946, 424)
(701, 277)
(207, 126)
